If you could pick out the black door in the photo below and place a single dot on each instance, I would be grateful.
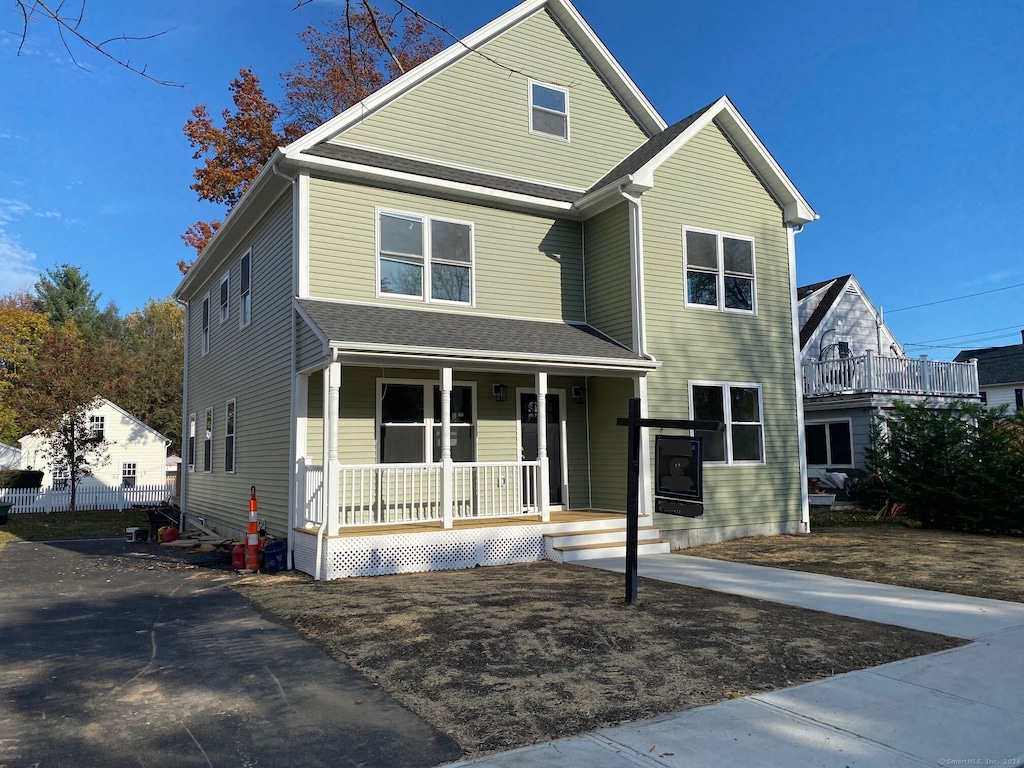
(528, 427)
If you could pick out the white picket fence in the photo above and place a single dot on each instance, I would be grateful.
(88, 497)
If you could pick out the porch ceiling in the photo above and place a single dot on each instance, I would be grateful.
(367, 330)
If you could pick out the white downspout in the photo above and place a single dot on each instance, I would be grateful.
(805, 514)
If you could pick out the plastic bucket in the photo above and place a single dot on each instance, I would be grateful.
(275, 556)
(129, 534)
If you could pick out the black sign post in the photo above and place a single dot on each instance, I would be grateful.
(635, 424)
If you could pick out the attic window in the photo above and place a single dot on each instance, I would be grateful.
(549, 110)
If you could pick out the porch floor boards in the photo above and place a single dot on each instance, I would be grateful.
(569, 516)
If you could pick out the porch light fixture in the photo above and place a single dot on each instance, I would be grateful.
(500, 393)
(579, 395)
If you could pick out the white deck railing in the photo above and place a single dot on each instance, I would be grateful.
(384, 494)
(381, 494)
(88, 497)
(893, 375)
(496, 489)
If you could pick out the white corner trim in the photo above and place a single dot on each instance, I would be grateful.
(302, 233)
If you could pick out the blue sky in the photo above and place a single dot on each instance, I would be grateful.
(899, 121)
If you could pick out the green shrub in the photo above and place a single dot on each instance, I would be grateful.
(958, 468)
(21, 478)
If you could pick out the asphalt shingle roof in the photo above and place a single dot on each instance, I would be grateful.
(443, 172)
(830, 297)
(462, 333)
(997, 365)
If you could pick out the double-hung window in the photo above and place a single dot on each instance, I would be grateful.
(738, 406)
(129, 474)
(191, 442)
(229, 436)
(244, 290)
(206, 324)
(208, 442)
(410, 422)
(828, 444)
(97, 426)
(425, 258)
(224, 306)
(719, 271)
(549, 110)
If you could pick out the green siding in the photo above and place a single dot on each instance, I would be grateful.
(309, 350)
(315, 419)
(523, 265)
(609, 400)
(609, 295)
(476, 113)
(707, 184)
(253, 366)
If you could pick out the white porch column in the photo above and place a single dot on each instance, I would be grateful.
(447, 465)
(646, 491)
(332, 467)
(543, 482)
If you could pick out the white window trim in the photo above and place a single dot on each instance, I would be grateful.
(231, 420)
(529, 98)
(828, 442)
(204, 325)
(720, 273)
(243, 320)
(225, 307)
(191, 446)
(428, 423)
(208, 449)
(727, 408)
(98, 423)
(125, 465)
(425, 296)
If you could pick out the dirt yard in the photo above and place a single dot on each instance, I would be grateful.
(504, 657)
(965, 564)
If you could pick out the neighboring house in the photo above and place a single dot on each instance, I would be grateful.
(1000, 374)
(854, 369)
(135, 453)
(405, 293)
(10, 457)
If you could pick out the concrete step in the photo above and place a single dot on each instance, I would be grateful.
(594, 551)
(613, 521)
(597, 536)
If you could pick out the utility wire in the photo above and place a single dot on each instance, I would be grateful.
(955, 298)
(964, 336)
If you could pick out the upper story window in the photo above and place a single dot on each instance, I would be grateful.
(206, 324)
(244, 290)
(224, 307)
(549, 110)
(425, 258)
(719, 271)
(97, 426)
(738, 406)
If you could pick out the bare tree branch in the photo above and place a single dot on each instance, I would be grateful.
(380, 35)
(31, 10)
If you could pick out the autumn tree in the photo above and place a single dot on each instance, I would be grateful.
(22, 335)
(350, 58)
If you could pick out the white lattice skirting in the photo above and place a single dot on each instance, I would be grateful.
(441, 550)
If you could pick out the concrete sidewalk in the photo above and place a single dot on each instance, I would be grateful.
(959, 707)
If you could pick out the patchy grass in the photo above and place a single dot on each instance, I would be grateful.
(857, 518)
(102, 524)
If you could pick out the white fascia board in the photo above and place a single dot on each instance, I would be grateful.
(438, 355)
(359, 172)
(724, 113)
(610, 194)
(321, 336)
(616, 78)
(208, 260)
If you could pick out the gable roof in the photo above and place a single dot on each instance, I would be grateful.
(638, 169)
(836, 286)
(996, 365)
(372, 330)
(101, 401)
(573, 25)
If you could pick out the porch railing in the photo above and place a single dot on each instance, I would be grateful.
(384, 494)
(892, 375)
(381, 494)
(496, 489)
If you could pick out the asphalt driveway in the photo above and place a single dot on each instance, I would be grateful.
(115, 654)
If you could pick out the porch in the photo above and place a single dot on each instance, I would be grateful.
(871, 373)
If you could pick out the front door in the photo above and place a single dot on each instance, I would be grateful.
(528, 430)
